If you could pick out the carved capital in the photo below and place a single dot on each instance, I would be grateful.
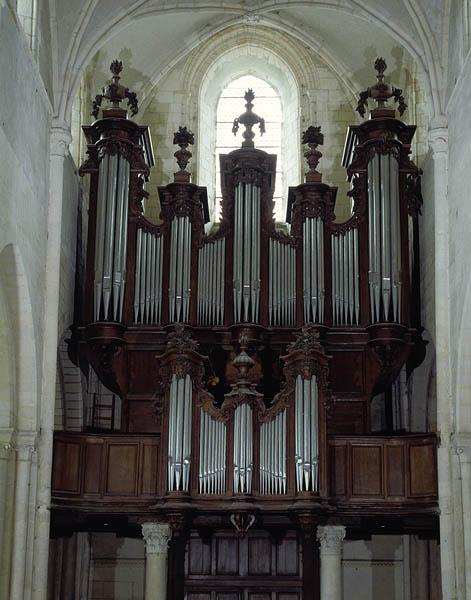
(156, 537)
(330, 538)
(60, 139)
(438, 141)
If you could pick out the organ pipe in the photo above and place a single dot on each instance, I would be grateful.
(111, 237)
(273, 470)
(384, 239)
(180, 260)
(282, 288)
(211, 260)
(243, 449)
(212, 466)
(306, 434)
(148, 278)
(179, 436)
(345, 278)
(313, 270)
(246, 284)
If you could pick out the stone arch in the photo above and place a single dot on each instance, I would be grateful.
(14, 284)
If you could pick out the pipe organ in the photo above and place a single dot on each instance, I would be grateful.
(249, 354)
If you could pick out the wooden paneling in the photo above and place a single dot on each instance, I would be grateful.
(110, 468)
(366, 470)
(287, 556)
(227, 556)
(383, 469)
(67, 459)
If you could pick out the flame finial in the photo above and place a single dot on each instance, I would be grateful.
(381, 92)
(248, 119)
(115, 93)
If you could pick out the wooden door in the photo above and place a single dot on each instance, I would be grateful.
(259, 566)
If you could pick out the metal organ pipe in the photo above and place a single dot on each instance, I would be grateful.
(282, 285)
(111, 237)
(180, 260)
(212, 471)
(246, 284)
(179, 436)
(313, 270)
(306, 434)
(211, 259)
(243, 450)
(148, 277)
(384, 243)
(345, 278)
(273, 455)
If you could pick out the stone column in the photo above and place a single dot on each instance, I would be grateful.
(59, 144)
(331, 538)
(157, 537)
(438, 142)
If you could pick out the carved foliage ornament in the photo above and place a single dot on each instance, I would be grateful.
(381, 92)
(115, 93)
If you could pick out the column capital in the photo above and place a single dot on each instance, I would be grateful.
(330, 538)
(156, 536)
(438, 140)
(60, 138)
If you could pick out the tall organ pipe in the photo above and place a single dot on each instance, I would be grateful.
(345, 277)
(179, 436)
(111, 237)
(211, 257)
(212, 471)
(180, 260)
(246, 265)
(282, 284)
(313, 270)
(273, 455)
(306, 434)
(148, 277)
(384, 241)
(243, 450)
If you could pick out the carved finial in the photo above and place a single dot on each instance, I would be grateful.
(183, 138)
(381, 92)
(248, 119)
(306, 341)
(313, 138)
(180, 339)
(115, 93)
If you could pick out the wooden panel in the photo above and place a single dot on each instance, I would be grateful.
(422, 470)
(395, 471)
(66, 475)
(227, 556)
(287, 557)
(259, 596)
(352, 364)
(366, 470)
(150, 457)
(228, 596)
(290, 596)
(259, 556)
(122, 469)
(198, 596)
(93, 467)
(199, 560)
(338, 470)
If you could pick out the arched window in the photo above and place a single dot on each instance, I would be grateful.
(267, 104)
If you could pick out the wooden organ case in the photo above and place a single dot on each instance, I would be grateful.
(245, 359)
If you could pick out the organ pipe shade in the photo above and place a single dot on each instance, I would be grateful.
(180, 269)
(179, 433)
(243, 449)
(384, 239)
(246, 284)
(273, 455)
(148, 278)
(211, 262)
(306, 434)
(313, 270)
(212, 467)
(111, 237)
